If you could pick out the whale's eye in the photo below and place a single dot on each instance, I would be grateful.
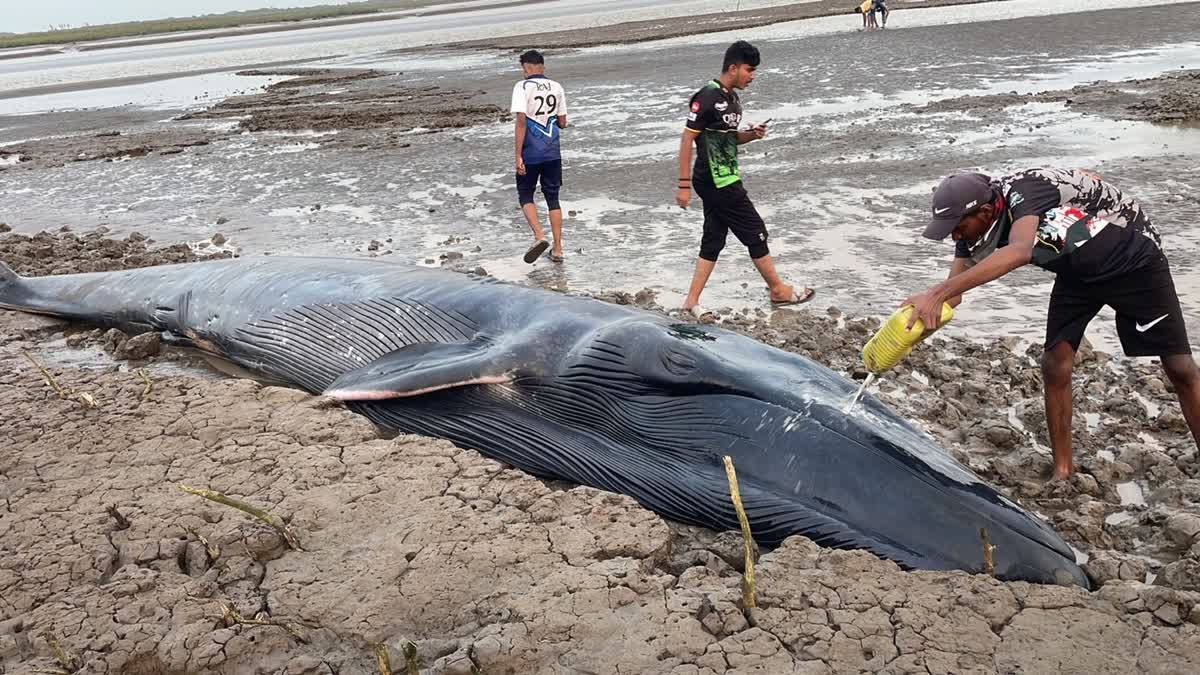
(677, 361)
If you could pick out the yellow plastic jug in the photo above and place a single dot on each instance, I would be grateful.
(892, 342)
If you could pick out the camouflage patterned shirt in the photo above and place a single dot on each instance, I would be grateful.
(1087, 230)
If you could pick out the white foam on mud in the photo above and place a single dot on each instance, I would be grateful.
(593, 208)
(1081, 557)
(9, 160)
(292, 148)
(1150, 441)
(424, 197)
(365, 214)
(303, 133)
(1106, 455)
(1131, 494)
(465, 190)
(26, 140)
(1093, 421)
(1014, 421)
(1118, 518)
(289, 212)
(206, 247)
(349, 183)
(1152, 408)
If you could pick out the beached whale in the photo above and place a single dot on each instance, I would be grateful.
(578, 389)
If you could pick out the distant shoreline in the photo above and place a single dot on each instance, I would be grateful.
(615, 33)
(140, 33)
(630, 32)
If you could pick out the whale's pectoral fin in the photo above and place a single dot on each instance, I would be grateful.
(420, 369)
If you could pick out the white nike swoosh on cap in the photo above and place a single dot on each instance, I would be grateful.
(1143, 329)
(938, 212)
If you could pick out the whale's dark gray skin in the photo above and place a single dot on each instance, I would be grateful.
(578, 389)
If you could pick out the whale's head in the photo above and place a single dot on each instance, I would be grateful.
(687, 395)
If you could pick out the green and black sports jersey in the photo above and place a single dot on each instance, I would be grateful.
(714, 114)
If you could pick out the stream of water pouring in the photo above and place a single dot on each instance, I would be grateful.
(863, 387)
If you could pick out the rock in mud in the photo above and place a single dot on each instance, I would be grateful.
(1105, 566)
(1183, 574)
(1183, 529)
(139, 347)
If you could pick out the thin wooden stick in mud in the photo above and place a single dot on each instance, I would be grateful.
(234, 617)
(382, 659)
(748, 602)
(62, 393)
(211, 550)
(410, 658)
(122, 521)
(64, 659)
(270, 519)
(989, 564)
(149, 384)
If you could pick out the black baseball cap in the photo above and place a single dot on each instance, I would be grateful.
(955, 197)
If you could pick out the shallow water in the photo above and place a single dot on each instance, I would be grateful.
(843, 181)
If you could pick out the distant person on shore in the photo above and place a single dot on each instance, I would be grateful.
(714, 114)
(539, 106)
(1104, 251)
(868, 16)
(880, 11)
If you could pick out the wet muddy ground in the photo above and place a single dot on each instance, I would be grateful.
(864, 125)
(484, 569)
(406, 155)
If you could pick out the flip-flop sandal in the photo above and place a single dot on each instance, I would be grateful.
(796, 299)
(554, 257)
(699, 313)
(536, 250)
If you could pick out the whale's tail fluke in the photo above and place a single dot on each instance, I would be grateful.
(11, 285)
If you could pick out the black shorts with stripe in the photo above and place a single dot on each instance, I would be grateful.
(729, 209)
(1149, 318)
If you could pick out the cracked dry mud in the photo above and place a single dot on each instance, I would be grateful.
(486, 569)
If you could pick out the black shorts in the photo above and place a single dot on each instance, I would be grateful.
(1149, 319)
(729, 209)
(550, 176)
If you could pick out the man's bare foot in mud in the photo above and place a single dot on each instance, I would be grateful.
(1062, 473)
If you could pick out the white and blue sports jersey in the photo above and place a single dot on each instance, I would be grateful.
(542, 100)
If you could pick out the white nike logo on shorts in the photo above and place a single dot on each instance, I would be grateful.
(1143, 328)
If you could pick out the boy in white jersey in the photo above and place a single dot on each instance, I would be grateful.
(539, 106)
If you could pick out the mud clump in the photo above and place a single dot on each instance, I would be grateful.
(1173, 98)
(343, 100)
(48, 253)
(58, 151)
(487, 569)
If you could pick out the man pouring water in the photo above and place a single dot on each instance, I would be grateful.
(1103, 250)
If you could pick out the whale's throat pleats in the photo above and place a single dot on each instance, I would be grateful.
(314, 344)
